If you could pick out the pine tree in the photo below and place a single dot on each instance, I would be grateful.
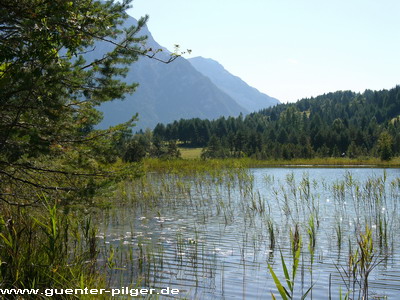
(385, 144)
(49, 92)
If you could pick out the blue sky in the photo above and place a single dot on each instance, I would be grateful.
(285, 48)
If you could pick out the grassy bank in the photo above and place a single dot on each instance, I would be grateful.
(190, 153)
(182, 166)
(197, 164)
(327, 162)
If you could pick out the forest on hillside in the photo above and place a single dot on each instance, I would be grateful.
(339, 124)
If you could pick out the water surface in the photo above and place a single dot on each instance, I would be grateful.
(213, 238)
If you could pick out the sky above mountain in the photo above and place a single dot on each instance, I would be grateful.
(288, 49)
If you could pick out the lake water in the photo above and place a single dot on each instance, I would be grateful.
(213, 237)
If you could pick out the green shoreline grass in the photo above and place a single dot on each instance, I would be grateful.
(199, 165)
(327, 162)
(193, 154)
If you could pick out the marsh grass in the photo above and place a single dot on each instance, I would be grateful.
(48, 247)
(295, 250)
(229, 194)
(53, 246)
(190, 153)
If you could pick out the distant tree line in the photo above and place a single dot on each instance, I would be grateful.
(133, 148)
(340, 124)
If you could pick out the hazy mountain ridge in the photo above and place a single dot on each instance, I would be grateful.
(166, 92)
(234, 86)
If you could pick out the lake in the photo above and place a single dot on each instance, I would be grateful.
(213, 236)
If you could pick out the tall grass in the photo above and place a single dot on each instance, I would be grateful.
(214, 190)
(47, 247)
(53, 246)
(193, 162)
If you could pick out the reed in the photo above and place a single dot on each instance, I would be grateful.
(288, 291)
(48, 247)
(221, 199)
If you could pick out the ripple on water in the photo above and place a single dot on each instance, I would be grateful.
(211, 256)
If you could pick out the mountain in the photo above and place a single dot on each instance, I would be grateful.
(235, 87)
(166, 92)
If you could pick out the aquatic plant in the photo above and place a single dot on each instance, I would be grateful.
(296, 245)
(228, 205)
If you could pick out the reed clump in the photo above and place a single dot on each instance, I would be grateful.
(47, 247)
(227, 204)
